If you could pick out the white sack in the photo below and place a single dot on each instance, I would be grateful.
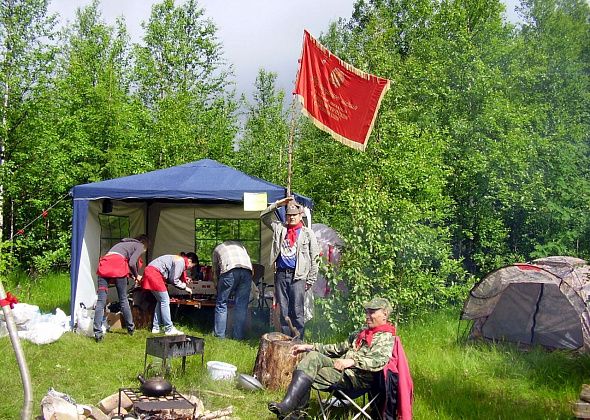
(85, 321)
(22, 314)
(36, 327)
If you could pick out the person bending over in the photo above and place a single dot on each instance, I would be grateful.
(167, 269)
(232, 269)
(115, 267)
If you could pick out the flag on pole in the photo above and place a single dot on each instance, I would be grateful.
(340, 99)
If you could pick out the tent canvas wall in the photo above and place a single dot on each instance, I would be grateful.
(544, 302)
(164, 204)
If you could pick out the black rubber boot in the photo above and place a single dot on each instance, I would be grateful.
(304, 401)
(297, 393)
(299, 412)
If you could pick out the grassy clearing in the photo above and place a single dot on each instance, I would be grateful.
(453, 380)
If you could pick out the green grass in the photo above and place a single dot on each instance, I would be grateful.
(453, 380)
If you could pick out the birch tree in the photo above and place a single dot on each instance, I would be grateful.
(25, 67)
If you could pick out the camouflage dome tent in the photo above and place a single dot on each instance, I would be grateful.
(544, 302)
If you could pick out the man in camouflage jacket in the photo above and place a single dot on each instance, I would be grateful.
(351, 364)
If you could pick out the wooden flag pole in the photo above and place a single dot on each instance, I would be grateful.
(293, 123)
(290, 147)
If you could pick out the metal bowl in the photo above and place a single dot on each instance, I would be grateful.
(249, 383)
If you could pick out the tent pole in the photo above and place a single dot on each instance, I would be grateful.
(20, 358)
(537, 306)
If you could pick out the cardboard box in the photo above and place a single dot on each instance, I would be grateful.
(115, 320)
(202, 287)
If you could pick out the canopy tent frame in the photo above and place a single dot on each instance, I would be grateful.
(201, 186)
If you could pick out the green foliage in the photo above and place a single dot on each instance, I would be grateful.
(470, 166)
(53, 257)
(263, 145)
(7, 258)
(77, 111)
(391, 252)
(26, 65)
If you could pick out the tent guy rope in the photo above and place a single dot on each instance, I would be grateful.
(43, 215)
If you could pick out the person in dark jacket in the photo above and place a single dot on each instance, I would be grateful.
(115, 267)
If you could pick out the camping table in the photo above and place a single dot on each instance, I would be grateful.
(194, 303)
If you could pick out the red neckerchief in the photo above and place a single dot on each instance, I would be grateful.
(367, 333)
(292, 233)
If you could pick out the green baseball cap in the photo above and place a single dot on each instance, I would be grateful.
(378, 303)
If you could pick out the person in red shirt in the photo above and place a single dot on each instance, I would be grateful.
(167, 269)
(123, 261)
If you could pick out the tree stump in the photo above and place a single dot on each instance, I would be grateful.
(274, 363)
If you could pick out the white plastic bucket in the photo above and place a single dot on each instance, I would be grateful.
(221, 370)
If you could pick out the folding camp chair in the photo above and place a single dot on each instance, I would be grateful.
(346, 398)
(342, 397)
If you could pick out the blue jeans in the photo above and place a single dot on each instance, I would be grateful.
(162, 312)
(290, 296)
(240, 280)
(101, 302)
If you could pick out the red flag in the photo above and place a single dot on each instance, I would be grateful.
(340, 99)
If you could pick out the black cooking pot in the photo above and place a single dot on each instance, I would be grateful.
(154, 387)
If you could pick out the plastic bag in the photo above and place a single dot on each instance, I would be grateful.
(56, 405)
(23, 314)
(42, 333)
(36, 327)
(85, 321)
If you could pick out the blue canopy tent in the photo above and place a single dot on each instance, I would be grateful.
(164, 204)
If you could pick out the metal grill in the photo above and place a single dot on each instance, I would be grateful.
(173, 346)
(144, 403)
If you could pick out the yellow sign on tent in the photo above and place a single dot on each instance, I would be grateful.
(255, 201)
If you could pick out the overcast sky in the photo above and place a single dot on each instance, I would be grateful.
(254, 33)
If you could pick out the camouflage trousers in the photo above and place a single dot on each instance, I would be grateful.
(321, 369)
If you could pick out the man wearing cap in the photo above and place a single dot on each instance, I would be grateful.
(294, 252)
(351, 364)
